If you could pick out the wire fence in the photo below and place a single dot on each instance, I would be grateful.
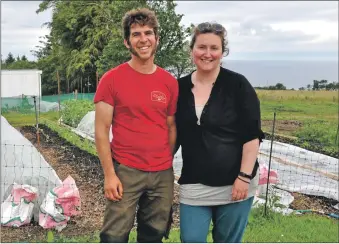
(31, 178)
(24, 104)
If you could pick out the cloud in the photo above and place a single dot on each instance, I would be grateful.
(271, 11)
(300, 27)
(21, 27)
(271, 26)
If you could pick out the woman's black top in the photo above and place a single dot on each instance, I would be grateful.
(212, 151)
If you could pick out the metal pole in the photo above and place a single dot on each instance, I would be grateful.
(269, 163)
(336, 136)
(36, 119)
(88, 84)
(58, 78)
(81, 91)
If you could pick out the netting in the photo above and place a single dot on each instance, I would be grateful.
(298, 170)
(25, 104)
(21, 163)
(68, 96)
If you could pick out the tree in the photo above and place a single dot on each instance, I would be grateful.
(173, 36)
(21, 64)
(181, 64)
(86, 37)
(315, 85)
(332, 86)
(170, 54)
(9, 60)
(18, 63)
(280, 86)
(322, 84)
(79, 33)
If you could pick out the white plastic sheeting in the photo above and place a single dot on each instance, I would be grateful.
(47, 106)
(85, 127)
(22, 163)
(18, 82)
(298, 169)
(301, 170)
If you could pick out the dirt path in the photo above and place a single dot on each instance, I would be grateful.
(66, 159)
(282, 126)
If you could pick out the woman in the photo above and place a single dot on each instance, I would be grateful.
(218, 123)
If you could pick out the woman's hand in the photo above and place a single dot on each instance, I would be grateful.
(240, 189)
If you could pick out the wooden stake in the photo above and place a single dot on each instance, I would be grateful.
(58, 78)
(67, 86)
(81, 91)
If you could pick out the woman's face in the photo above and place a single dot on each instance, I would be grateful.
(207, 51)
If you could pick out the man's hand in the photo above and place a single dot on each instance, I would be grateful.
(113, 188)
(240, 189)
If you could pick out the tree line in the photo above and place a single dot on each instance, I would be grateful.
(322, 85)
(316, 86)
(86, 40)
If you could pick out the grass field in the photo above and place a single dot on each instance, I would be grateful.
(274, 228)
(299, 105)
(311, 116)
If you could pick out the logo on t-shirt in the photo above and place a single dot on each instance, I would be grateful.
(158, 96)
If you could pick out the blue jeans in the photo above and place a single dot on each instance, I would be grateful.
(229, 221)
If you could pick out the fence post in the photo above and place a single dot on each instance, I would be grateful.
(269, 162)
(337, 135)
(58, 78)
(37, 123)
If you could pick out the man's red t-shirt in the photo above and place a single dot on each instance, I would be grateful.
(141, 104)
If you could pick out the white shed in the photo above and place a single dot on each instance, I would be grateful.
(15, 83)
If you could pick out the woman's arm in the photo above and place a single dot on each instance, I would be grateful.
(249, 155)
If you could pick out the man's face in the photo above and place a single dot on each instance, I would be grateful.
(142, 42)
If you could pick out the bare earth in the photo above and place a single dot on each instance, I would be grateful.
(282, 126)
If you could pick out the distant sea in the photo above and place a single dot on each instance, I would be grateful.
(293, 74)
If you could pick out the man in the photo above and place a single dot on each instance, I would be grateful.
(139, 100)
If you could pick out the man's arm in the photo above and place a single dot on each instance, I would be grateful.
(172, 132)
(103, 121)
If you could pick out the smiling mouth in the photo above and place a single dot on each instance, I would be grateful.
(206, 61)
(143, 48)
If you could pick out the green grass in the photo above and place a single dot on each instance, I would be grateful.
(292, 228)
(299, 105)
(317, 111)
(273, 228)
(17, 119)
(50, 120)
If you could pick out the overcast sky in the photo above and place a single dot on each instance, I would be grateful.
(256, 30)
